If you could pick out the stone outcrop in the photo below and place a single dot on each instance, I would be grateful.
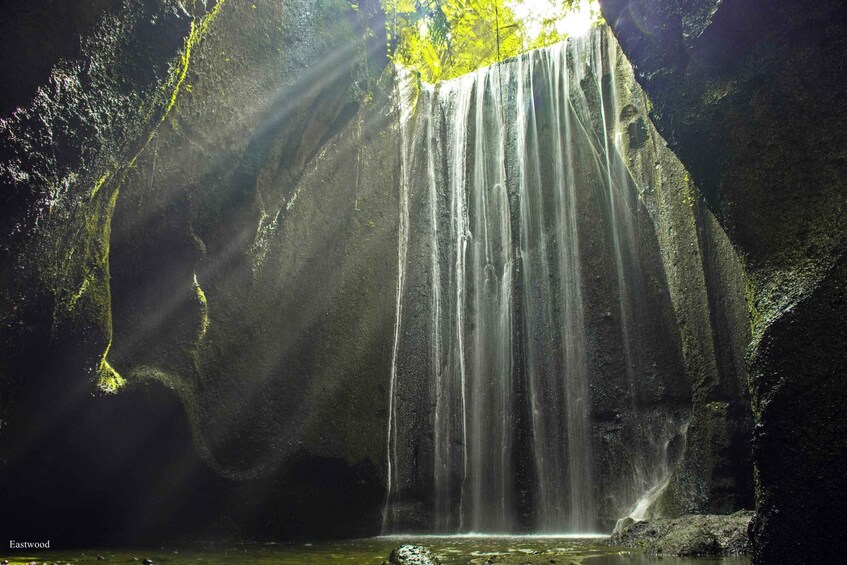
(706, 281)
(750, 96)
(693, 534)
(198, 275)
(412, 555)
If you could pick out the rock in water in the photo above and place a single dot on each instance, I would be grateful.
(689, 535)
(412, 555)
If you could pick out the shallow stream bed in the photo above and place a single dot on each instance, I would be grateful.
(456, 550)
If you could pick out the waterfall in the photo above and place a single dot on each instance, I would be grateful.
(490, 422)
(402, 249)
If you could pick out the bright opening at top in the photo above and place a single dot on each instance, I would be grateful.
(443, 39)
(569, 18)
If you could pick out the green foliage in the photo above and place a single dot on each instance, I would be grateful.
(443, 39)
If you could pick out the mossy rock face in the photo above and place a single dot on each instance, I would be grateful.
(737, 89)
(62, 156)
(160, 201)
(705, 280)
(799, 440)
(695, 535)
(214, 238)
(252, 261)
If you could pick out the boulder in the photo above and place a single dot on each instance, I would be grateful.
(412, 555)
(713, 535)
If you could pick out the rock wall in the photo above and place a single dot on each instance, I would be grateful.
(199, 292)
(706, 283)
(36, 36)
(750, 95)
(55, 321)
(199, 273)
(670, 418)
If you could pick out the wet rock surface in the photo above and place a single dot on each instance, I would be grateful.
(247, 286)
(412, 555)
(739, 90)
(706, 281)
(691, 535)
(197, 129)
(230, 199)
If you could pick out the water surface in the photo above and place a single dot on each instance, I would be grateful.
(452, 550)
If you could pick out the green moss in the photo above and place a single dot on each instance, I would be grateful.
(108, 379)
(99, 185)
(197, 33)
(76, 267)
(688, 194)
(174, 84)
(79, 275)
(204, 310)
(91, 239)
(79, 294)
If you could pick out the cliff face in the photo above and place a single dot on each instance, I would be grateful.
(93, 112)
(198, 285)
(198, 276)
(706, 281)
(750, 96)
(656, 286)
(36, 36)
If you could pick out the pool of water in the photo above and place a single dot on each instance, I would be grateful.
(462, 550)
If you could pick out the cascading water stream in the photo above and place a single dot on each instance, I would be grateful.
(490, 422)
(552, 302)
(647, 476)
(403, 245)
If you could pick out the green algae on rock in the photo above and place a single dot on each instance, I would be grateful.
(707, 535)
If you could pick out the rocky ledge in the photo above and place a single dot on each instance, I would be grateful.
(689, 535)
